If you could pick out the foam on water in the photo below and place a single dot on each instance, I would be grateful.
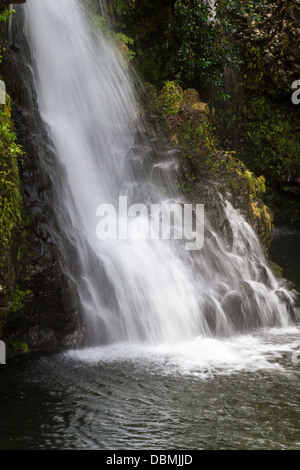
(204, 357)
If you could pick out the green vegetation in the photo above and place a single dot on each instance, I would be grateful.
(180, 39)
(18, 296)
(10, 151)
(260, 122)
(5, 14)
(16, 348)
(123, 42)
(12, 232)
(186, 185)
(268, 134)
(171, 98)
(10, 196)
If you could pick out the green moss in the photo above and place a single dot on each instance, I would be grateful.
(18, 297)
(170, 98)
(16, 348)
(189, 135)
(186, 184)
(10, 196)
(277, 270)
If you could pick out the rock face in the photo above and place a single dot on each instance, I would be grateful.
(35, 302)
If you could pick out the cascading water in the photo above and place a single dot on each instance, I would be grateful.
(149, 291)
(212, 8)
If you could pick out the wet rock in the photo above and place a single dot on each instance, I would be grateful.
(232, 305)
(263, 276)
(134, 161)
(142, 139)
(292, 306)
(251, 306)
(165, 173)
(46, 317)
(210, 314)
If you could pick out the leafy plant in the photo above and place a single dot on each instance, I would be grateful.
(18, 296)
(123, 42)
(10, 196)
(4, 16)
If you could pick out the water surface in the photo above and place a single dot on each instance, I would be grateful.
(238, 393)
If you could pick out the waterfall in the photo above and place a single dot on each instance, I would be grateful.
(212, 7)
(151, 291)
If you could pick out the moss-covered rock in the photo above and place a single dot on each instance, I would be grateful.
(242, 188)
(11, 214)
(189, 123)
(186, 116)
